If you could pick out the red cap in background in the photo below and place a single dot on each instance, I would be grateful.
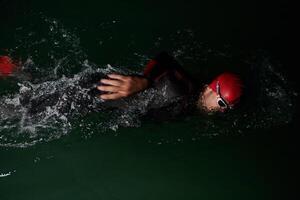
(7, 66)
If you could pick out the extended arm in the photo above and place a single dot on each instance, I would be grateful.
(119, 86)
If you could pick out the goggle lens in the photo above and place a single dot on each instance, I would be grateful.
(222, 103)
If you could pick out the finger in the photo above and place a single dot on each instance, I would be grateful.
(117, 76)
(111, 82)
(108, 88)
(111, 96)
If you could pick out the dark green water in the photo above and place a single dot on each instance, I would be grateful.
(184, 159)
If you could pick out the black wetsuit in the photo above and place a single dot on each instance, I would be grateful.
(174, 84)
(171, 93)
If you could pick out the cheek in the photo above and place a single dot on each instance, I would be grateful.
(211, 101)
(213, 104)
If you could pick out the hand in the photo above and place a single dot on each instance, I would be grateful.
(119, 86)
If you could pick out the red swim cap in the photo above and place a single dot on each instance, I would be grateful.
(6, 66)
(230, 87)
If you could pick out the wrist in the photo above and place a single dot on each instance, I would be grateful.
(145, 83)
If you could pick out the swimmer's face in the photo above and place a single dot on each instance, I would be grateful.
(208, 101)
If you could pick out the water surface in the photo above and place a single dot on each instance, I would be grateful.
(55, 155)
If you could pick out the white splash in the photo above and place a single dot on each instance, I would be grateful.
(2, 175)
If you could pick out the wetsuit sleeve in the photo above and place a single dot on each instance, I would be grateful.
(164, 65)
(159, 66)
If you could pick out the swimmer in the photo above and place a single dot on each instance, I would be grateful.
(222, 94)
(164, 91)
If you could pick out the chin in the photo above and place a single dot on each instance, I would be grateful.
(209, 110)
(215, 110)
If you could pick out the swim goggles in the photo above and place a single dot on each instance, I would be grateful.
(221, 101)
